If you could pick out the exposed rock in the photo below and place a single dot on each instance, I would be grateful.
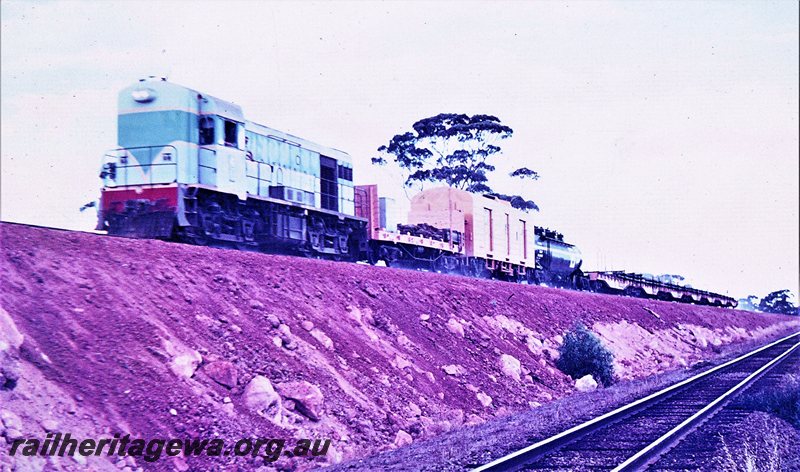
(453, 369)
(184, 360)
(455, 417)
(261, 398)
(400, 362)
(455, 327)
(587, 383)
(473, 419)
(9, 369)
(10, 337)
(485, 400)
(274, 321)
(307, 325)
(371, 290)
(11, 424)
(222, 372)
(424, 317)
(510, 366)
(323, 338)
(285, 331)
(49, 425)
(307, 397)
(414, 410)
(256, 305)
(186, 364)
(534, 343)
(180, 464)
(402, 439)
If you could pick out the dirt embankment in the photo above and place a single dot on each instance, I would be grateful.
(101, 335)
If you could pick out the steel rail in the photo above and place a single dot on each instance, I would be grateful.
(654, 450)
(575, 432)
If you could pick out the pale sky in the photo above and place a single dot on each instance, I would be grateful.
(666, 133)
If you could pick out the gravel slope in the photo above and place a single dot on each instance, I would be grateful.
(161, 339)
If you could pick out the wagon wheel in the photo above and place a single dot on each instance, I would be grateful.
(474, 269)
(372, 257)
(438, 265)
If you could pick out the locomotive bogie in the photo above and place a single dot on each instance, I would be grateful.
(272, 226)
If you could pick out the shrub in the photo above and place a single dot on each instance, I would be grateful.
(583, 354)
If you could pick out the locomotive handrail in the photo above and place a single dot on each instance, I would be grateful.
(290, 143)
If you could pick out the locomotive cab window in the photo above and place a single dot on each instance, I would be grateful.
(231, 134)
(206, 130)
(345, 173)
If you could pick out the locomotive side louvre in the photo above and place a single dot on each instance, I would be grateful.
(301, 171)
(190, 166)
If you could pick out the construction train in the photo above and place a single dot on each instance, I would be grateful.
(190, 167)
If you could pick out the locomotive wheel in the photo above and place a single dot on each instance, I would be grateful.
(196, 235)
(199, 239)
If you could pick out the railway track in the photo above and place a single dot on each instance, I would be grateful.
(641, 434)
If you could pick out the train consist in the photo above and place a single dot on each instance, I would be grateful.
(190, 167)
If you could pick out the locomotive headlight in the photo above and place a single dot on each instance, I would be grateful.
(144, 95)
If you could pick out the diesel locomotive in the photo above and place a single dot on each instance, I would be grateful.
(190, 167)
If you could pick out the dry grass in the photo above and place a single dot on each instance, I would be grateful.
(782, 401)
(766, 444)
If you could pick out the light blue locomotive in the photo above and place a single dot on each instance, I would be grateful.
(190, 166)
